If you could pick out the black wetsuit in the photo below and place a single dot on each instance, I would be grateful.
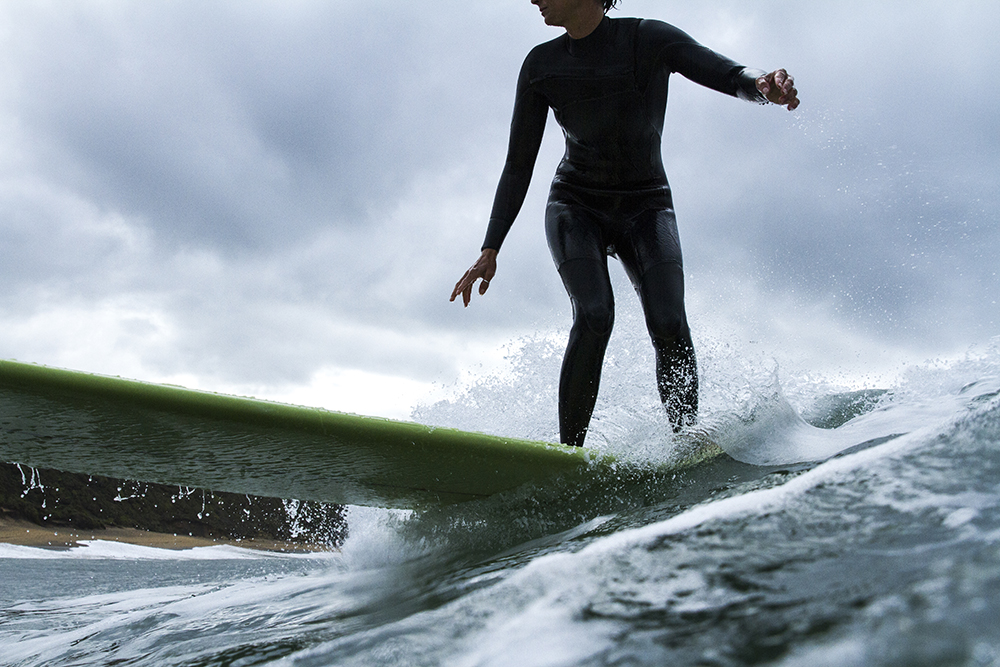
(610, 195)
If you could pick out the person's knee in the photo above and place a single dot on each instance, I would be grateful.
(662, 294)
(667, 325)
(589, 288)
(596, 316)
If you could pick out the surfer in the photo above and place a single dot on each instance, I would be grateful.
(606, 82)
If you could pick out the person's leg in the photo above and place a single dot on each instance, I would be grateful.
(589, 288)
(651, 256)
(661, 290)
(575, 234)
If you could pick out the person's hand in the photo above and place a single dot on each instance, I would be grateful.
(779, 88)
(485, 268)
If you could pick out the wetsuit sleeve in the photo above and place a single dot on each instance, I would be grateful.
(674, 49)
(526, 130)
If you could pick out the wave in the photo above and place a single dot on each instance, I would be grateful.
(848, 526)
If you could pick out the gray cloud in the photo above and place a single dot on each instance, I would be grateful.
(243, 126)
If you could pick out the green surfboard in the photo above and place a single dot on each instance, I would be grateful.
(94, 424)
(101, 425)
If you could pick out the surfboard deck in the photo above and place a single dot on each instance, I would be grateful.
(96, 424)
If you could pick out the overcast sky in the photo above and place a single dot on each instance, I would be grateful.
(276, 197)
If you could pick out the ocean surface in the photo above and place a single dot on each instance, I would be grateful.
(846, 526)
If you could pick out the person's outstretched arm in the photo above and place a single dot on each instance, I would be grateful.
(674, 49)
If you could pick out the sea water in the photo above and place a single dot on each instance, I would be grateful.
(872, 538)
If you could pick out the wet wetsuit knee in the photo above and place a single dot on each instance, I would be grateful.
(661, 292)
(589, 288)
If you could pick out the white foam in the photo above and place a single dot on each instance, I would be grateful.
(168, 614)
(110, 550)
(779, 436)
(373, 538)
(544, 634)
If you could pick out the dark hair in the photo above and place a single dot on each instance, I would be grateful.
(610, 4)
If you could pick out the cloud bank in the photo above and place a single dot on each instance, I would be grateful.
(276, 198)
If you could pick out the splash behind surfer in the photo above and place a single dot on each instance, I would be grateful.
(606, 82)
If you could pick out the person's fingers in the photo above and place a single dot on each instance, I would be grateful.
(763, 86)
(458, 287)
(790, 95)
(463, 284)
(787, 85)
(483, 286)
